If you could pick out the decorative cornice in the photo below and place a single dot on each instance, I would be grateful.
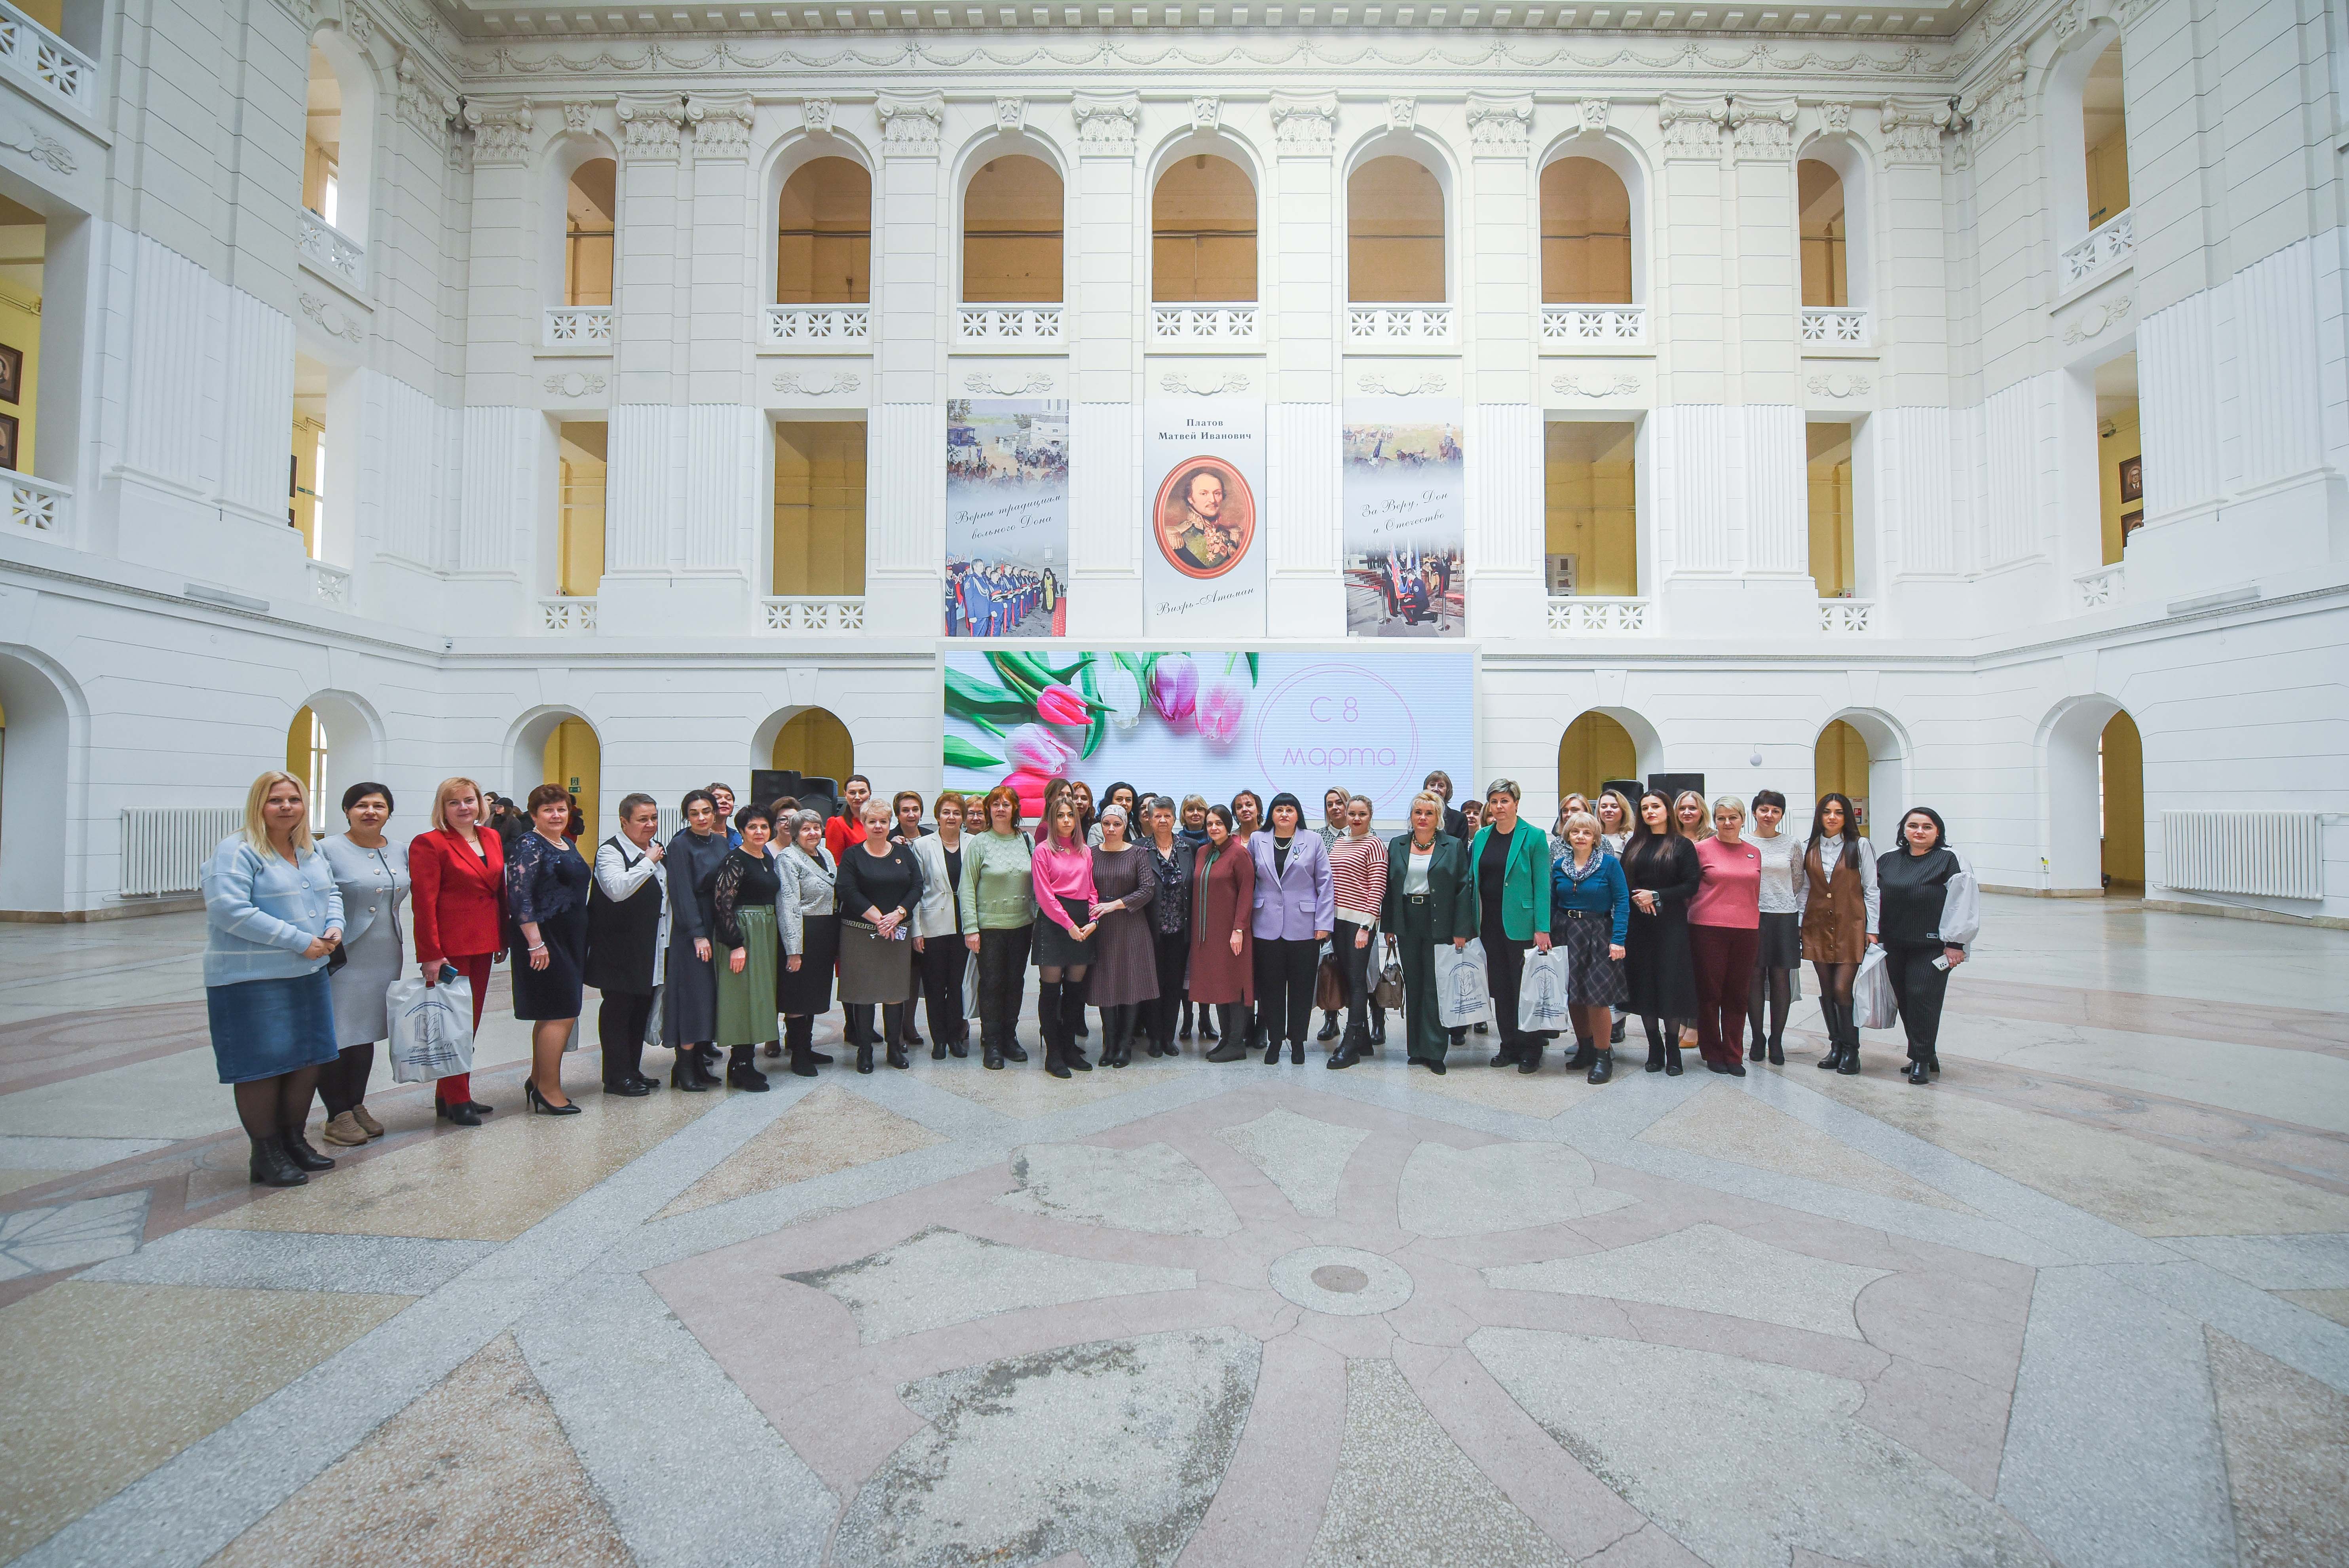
(1765, 128)
(578, 117)
(652, 128)
(1108, 123)
(721, 127)
(423, 107)
(1500, 125)
(2092, 322)
(1305, 124)
(2002, 98)
(501, 130)
(1230, 381)
(1692, 125)
(911, 123)
(1839, 383)
(1835, 116)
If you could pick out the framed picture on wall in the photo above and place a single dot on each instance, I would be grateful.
(7, 441)
(12, 375)
(1562, 574)
(2133, 479)
(2130, 522)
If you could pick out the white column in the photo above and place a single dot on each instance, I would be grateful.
(1506, 521)
(1506, 528)
(1302, 310)
(905, 528)
(505, 451)
(1105, 512)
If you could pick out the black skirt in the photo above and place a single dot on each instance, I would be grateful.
(1055, 946)
(1781, 942)
(1592, 979)
(555, 991)
(1656, 967)
(807, 991)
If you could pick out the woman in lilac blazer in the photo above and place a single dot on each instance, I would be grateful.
(1293, 911)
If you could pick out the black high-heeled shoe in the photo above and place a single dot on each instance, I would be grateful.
(541, 1106)
(683, 1076)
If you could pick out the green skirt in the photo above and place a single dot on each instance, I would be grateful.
(746, 1002)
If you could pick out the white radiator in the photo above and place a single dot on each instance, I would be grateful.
(2268, 854)
(164, 848)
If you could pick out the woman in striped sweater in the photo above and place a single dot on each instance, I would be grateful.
(1358, 884)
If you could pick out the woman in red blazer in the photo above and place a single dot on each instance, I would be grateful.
(456, 873)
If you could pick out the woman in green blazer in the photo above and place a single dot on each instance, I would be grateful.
(1429, 900)
(1510, 903)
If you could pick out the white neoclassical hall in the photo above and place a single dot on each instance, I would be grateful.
(1934, 404)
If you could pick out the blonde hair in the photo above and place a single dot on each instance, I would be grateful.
(1622, 804)
(1729, 803)
(451, 788)
(1579, 820)
(1431, 797)
(256, 828)
(1703, 828)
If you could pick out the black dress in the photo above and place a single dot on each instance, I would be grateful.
(1656, 963)
(690, 988)
(546, 886)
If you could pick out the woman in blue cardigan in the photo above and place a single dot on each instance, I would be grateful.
(1590, 909)
(1508, 863)
(273, 915)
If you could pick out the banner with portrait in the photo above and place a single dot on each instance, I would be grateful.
(1405, 501)
(1007, 563)
(1203, 561)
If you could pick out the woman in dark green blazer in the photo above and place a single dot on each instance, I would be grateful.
(1511, 911)
(1429, 899)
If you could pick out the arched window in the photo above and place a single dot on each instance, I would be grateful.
(1012, 224)
(1203, 232)
(2104, 134)
(306, 759)
(823, 234)
(1586, 234)
(590, 230)
(1396, 251)
(1825, 235)
(814, 744)
(1595, 749)
(339, 135)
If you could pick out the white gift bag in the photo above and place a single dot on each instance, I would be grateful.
(1463, 997)
(653, 1019)
(970, 986)
(431, 1029)
(1873, 1006)
(1542, 995)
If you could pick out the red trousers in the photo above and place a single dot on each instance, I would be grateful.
(459, 1089)
(1723, 957)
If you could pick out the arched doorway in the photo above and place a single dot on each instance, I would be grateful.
(39, 814)
(1839, 766)
(1595, 749)
(306, 754)
(2120, 804)
(554, 745)
(814, 744)
(2091, 759)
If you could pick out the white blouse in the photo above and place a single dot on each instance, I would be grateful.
(1782, 859)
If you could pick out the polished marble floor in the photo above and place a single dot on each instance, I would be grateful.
(2082, 1300)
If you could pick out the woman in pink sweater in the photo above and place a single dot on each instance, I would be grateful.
(1724, 934)
(1065, 899)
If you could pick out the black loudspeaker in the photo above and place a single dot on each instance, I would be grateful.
(1670, 785)
(769, 785)
(1627, 787)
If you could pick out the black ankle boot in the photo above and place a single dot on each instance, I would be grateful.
(990, 1049)
(271, 1167)
(1585, 1052)
(1917, 1071)
(1328, 1028)
(1849, 1065)
(1271, 1044)
(1602, 1066)
(298, 1150)
(1529, 1060)
(742, 1070)
(1672, 1055)
(1233, 1046)
(1206, 1025)
(1297, 1053)
(803, 1060)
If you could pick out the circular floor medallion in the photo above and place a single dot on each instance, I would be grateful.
(1342, 1280)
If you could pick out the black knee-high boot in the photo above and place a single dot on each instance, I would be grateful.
(858, 1015)
(1048, 1024)
(893, 1030)
(1073, 1025)
(798, 1036)
(1655, 1043)
(1829, 1014)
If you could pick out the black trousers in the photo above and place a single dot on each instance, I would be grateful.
(938, 968)
(620, 1022)
(1284, 984)
(1002, 981)
(1918, 988)
(1173, 952)
(1505, 971)
(342, 1083)
(1356, 963)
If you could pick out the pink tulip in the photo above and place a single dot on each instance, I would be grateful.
(1033, 748)
(1061, 705)
(1175, 687)
(1221, 704)
(1030, 788)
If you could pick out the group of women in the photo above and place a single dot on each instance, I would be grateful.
(733, 935)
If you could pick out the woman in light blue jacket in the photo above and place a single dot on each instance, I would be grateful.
(273, 916)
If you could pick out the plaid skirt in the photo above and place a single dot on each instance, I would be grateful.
(1593, 979)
